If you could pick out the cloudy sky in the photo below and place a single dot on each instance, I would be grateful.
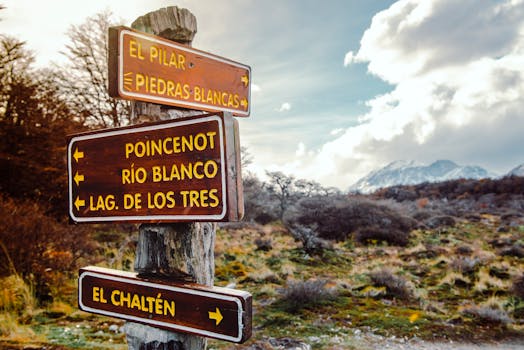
(342, 87)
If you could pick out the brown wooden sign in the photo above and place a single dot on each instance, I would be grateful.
(149, 68)
(213, 312)
(183, 170)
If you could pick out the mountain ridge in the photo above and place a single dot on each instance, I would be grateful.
(403, 172)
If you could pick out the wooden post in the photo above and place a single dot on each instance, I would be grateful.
(182, 251)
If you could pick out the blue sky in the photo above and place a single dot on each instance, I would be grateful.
(341, 88)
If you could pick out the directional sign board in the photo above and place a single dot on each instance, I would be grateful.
(149, 68)
(213, 312)
(183, 170)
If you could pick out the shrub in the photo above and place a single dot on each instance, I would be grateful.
(37, 247)
(264, 245)
(375, 234)
(396, 286)
(465, 265)
(300, 294)
(487, 314)
(440, 221)
(258, 205)
(515, 250)
(337, 217)
(311, 243)
(518, 287)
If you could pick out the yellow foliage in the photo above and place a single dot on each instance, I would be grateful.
(231, 269)
(414, 317)
(16, 295)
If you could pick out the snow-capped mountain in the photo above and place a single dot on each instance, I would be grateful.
(518, 171)
(411, 173)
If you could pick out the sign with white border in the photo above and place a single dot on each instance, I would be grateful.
(181, 170)
(149, 68)
(212, 312)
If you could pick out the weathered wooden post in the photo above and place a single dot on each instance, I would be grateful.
(177, 171)
(180, 250)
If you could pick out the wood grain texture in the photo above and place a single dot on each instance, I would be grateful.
(177, 258)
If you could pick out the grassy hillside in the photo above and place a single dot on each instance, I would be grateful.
(447, 283)
(432, 261)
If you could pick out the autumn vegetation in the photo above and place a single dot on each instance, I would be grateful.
(428, 260)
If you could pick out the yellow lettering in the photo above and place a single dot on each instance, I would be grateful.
(153, 53)
(158, 304)
(164, 145)
(135, 49)
(125, 298)
(168, 145)
(187, 92)
(140, 80)
(135, 302)
(129, 149)
(102, 299)
(181, 62)
(96, 294)
(114, 300)
(213, 166)
(212, 195)
(150, 301)
(173, 60)
(197, 95)
(193, 199)
(170, 88)
(132, 201)
(211, 135)
(174, 173)
(169, 307)
(195, 170)
(102, 202)
(202, 144)
(187, 143)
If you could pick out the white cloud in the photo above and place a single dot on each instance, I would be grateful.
(301, 149)
(349, 58)
(456, 70)
(286, 106)
(336, 131)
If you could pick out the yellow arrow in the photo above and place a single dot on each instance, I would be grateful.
(245, 80)
(78, 155)
(243, 103)
(78, 178)
(79, 203)
(217, 316)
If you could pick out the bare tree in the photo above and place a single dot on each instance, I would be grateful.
(308, 188)
(281, 188)
(245, 157)
(15, 63)
(85, 78)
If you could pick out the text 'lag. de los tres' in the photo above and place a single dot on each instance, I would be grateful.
(182, 170)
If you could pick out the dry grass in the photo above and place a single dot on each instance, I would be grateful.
(16, 296)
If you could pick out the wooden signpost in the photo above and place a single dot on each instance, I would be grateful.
(149, 68)
(183, 170)
(212, 312)
(175, 177)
